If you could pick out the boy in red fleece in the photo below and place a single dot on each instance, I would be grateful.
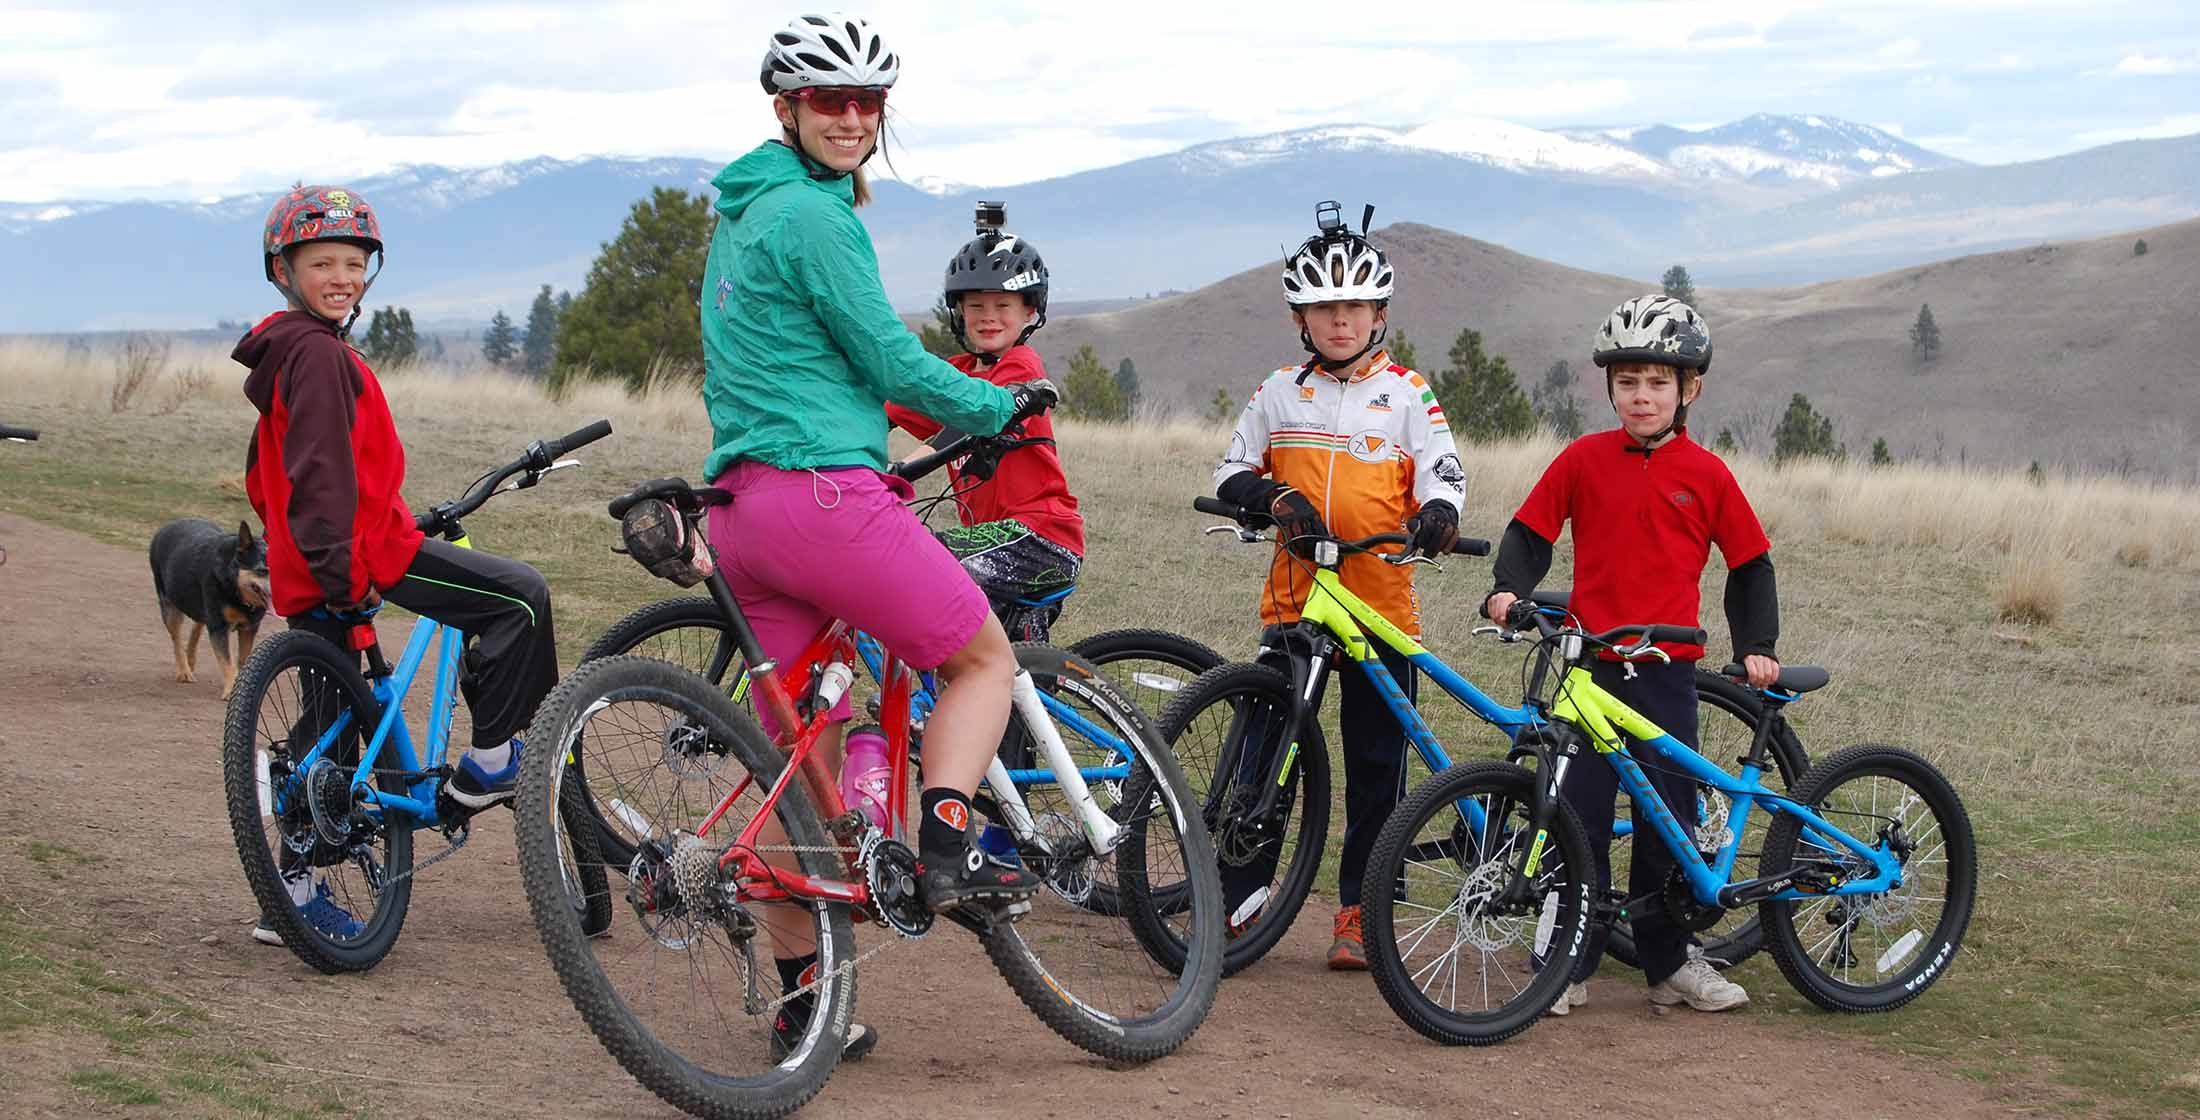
(323, 472)
(1021, 537)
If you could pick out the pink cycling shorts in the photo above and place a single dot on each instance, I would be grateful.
(801, 548)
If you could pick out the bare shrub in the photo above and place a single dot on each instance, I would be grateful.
(2033, 585)
(2135, 552)
(189, 384)
(138, 365)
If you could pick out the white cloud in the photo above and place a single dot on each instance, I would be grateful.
(2147, 65)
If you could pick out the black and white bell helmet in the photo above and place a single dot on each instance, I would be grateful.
(832, 49)
(1654, 328)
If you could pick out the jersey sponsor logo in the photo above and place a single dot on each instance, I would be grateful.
(1306, 392)
(1381, 403)
(953, 814)
(1237, 448)
(725, 288)
(1370, 446)
(1450, 472)
(1682, 498)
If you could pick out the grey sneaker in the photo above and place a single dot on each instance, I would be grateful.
(1700, 986)
(1574, 996)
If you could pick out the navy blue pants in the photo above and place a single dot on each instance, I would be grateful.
(1666, 693)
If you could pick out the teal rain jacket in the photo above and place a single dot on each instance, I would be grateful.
(800, 348)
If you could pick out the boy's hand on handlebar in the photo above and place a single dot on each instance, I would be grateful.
(1298, 524)
(1036, 396)
(1435, 528)
(1762, 670)
(1498, 607)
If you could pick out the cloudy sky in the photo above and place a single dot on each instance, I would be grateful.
(114, 100)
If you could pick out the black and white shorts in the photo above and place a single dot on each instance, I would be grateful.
(1015, 566)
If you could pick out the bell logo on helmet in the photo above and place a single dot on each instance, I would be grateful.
(1020, 281)
(337, 214)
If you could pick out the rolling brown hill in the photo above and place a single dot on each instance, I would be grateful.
(2078, 353)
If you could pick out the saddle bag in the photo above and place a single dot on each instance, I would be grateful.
(664, 541)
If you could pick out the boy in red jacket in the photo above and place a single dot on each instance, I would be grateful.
(1647, 503)
(1021, 537)
(323, 472)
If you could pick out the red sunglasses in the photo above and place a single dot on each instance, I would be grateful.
(832, 101)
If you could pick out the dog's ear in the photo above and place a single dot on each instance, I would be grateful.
(244, 538)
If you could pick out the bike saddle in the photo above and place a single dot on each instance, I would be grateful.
(685, 498)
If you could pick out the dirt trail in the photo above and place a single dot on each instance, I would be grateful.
(101, 751)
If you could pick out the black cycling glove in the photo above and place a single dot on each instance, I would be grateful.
(1298, 524)
(1435, 529)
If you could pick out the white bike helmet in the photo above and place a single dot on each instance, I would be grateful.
(1336, 265)
(828, 50)
(1654, 328)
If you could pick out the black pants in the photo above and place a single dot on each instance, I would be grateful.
(1666, 693)
(1374, 770)
(503, 608)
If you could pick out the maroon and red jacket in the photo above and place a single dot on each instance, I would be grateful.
(1028, 485)
(324, 468)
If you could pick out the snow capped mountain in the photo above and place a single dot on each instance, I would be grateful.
(1769, 149)
(1482, 139)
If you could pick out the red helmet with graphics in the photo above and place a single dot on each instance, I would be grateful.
(319, 213)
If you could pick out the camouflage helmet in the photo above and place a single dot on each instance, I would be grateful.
(1657, 329)
(318, 213)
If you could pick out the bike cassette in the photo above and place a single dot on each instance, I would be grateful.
(890, 868)
(1682, 909)
(327, 791)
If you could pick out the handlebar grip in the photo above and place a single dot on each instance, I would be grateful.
(578, 439)
(10, 431)
(1679, 635)
(1218, 507)
(1471, 546)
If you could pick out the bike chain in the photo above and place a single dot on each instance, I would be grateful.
(847, 967)
(464, 834)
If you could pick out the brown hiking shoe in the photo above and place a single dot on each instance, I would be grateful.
(1346, 953)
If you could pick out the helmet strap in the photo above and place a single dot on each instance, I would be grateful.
(1332, 365)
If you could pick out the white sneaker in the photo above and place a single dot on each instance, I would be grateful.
(1700, 986)
(1574, 996)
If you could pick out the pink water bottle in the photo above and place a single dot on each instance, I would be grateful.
(866, 773)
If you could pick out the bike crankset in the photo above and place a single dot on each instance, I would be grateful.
(890, 868)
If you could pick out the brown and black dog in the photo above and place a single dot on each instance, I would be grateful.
(208, 578)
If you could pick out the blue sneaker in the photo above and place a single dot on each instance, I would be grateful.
(476, 788)
(322, 913)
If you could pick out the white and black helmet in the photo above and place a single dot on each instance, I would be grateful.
(1334, 266)
(828, 50)
(1654, 328)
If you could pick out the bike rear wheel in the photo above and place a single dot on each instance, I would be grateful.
(1873, 952)
(1123, 998)
(1464, 956)
(1726, 719)
(297, 829)
(681, 992)
(1223, 728)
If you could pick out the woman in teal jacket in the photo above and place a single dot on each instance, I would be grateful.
(800, 352)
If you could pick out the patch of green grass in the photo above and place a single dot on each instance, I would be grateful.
(113, 1088)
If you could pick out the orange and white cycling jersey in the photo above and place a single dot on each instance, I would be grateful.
(1368, 448)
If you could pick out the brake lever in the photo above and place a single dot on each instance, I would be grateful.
(1503, 635)
(1411, 558)
(1243, 534)
(530, 478)
(1640, 648)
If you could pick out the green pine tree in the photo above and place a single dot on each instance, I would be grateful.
(1925, 334)
(1402, 352)
(499, 344)
(390, 341)
(1479, 394)
(1126, 383)
(1880, 455)
(637, 311)
(1804, 434)
(1222, 408)
(1679, 286)
(1555, 404)
(1089, 392)
(540, 347)
(938, 336)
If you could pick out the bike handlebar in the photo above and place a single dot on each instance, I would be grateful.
(1464, 546)
(540, 456)
(1028, 406)
(1645, 635)
(10, 431)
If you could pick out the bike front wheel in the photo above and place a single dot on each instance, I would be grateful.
(332, 875)
(1105, 988)
(1150, 666)
(683, 993)
(1873, 952)
(1226, 728)
(1484, 937)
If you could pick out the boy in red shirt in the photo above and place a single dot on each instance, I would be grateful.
(1647, 503)
(323, 472)
(1021, 537)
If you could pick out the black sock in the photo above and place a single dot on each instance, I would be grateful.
(791, 969)
(944, 831)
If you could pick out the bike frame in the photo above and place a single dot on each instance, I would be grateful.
(1607, 723)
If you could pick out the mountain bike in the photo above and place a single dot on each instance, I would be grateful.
(1250, 737)
(726, 842)
(1864, 888)
(323, 782)
(1145, 664)
(9, 433)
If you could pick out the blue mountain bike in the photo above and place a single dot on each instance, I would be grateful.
(325, 788)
